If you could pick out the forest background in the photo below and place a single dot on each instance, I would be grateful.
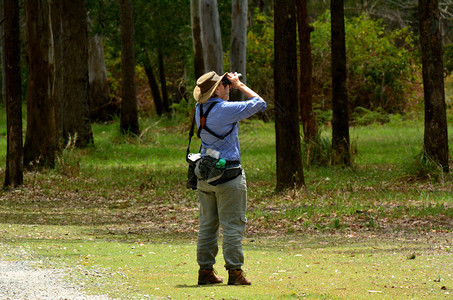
(383, 55)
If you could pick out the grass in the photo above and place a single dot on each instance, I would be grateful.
(118, 218)
(313, 267)
(387, 144)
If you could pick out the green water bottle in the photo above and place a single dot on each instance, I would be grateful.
(221, 164)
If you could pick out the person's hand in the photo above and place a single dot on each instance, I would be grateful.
(234, 79)
(237, 84)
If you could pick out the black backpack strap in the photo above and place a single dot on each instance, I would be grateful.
(220, 136)
(203, 117)
(191, 132)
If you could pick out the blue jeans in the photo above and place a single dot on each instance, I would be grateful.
(222, 205)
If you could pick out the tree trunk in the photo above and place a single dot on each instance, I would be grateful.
(2, 51)
(58, 88)
(129, 114)
(289, 157)
(153, 85)
(163, 81)
(14, 153)
(76, 112)
(435, 136)
(196, 38)
(305, 73)
(211, 36)
(340, 118)
(238, 47)
(101, 108)
(40, 139)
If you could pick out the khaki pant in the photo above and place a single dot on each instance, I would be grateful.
(222, 205)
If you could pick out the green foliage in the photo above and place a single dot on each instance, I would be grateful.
(448, 58)
(260, 55)
(160, 26)
(104, 16)
(381, 64)
(423, 167)
(183, 110)
(322, 116)
(363, 116)
(317, 152)
(113, 66)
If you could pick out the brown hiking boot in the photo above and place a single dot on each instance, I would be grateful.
(208, 277)
(237, 277)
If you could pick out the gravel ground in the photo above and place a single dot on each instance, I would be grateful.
(20, 280)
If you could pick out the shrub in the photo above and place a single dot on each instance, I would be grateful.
(423, 167)
(317, 152)
(363, 116)
(381, 64)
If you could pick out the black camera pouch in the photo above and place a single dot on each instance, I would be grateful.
(192, 179)
(207, 171)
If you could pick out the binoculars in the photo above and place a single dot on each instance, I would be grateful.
(225, 80)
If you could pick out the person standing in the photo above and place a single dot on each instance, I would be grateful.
(224, 204)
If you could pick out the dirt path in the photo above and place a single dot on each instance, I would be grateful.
(21, 280)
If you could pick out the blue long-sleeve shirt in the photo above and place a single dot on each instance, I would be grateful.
(223, 116)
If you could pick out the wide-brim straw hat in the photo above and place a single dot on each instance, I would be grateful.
(206, 86)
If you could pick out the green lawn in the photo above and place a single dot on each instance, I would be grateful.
(352, 266)
(117, 216)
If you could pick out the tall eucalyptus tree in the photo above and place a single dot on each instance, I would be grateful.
(305, 72)
(340, 118)
(436, 135)
(211, 36)
(40, 145)
(14, 152)
(287, 133)
(196, 38)
(238, 44)
(129, 113)
(75, 96)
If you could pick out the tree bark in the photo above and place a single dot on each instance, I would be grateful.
(211, 36)
(101, 108)
(163, 81)
(305, 73)
(58, 88)
(76, 112)
(289, 157)
(14, 153)
(435, 135)
(340, 118)
(2, 51)
(153, 85)
(196, 38)
(129, 114)
(40, 138)
(238, 46)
